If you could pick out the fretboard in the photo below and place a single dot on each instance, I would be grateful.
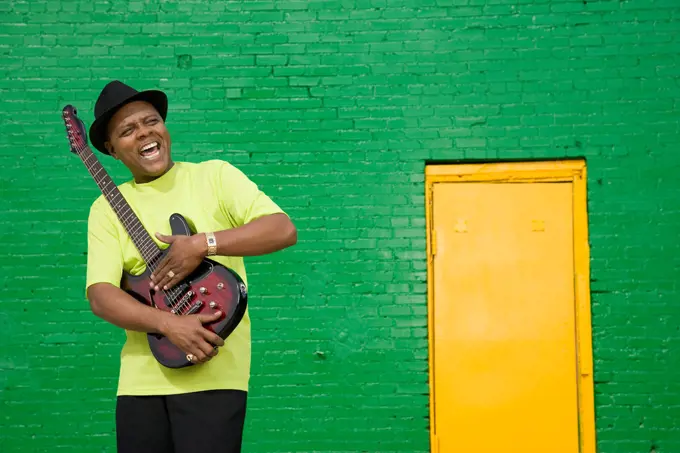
(140, 237)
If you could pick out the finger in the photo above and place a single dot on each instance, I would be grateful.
(167, 282)
(161, 281)
(163, 278)
(165, 238)
(199, 355)
(179, 275)
(205, 357)
(160, 271)
(212, 338)
(209, 318)
(208, 351)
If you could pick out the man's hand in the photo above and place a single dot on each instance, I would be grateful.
(189, 335)
(186, 253)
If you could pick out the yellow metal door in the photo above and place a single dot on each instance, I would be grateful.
(504, 340)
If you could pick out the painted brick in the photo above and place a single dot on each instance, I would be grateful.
(334, 107)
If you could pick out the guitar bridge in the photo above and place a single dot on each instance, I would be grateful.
(177, 307)
(195, 307)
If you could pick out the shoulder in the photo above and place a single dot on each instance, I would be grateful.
(218, 170)
(101, 214)
(99, 205)
(101, 218)
(216, 165)
(202, 167)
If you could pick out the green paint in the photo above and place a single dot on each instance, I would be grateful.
(334, 107)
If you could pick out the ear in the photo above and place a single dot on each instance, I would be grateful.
(109, 148)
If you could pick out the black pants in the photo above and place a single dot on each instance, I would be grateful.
(205, 422)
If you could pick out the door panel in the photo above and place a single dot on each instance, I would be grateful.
(504, 352)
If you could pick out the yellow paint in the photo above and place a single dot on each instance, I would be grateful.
(538, 225)
(487, 312)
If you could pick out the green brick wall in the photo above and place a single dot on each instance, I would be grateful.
(334, 107)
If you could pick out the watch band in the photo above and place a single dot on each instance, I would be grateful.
(212, 244)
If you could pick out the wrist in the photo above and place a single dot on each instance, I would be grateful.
(201, 244)
(163, 322)
(211, 244)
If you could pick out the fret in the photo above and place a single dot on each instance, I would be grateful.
(140, 237)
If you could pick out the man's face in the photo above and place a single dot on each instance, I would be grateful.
(138, 137)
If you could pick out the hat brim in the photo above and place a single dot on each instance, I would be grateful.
(98, 132)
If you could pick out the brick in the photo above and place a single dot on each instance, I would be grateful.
(334, 107)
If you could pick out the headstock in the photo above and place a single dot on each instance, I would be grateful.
(75, 129)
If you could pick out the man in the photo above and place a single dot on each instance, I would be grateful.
(200, 408)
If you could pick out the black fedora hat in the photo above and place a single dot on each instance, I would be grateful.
(113, 96)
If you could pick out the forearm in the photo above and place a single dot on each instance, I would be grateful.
(120, 309)
(261, 236)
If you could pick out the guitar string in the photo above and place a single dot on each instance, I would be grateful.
(145, 248)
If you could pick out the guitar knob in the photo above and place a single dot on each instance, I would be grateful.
(213, 304)
(203, 290)
(220, 285)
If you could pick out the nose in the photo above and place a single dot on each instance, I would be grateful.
(142, 131)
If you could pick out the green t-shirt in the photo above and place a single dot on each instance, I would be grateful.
(212, 196)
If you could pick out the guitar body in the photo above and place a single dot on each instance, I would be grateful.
(209, 288)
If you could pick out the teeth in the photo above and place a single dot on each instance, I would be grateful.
(149, 146)
(151, 155)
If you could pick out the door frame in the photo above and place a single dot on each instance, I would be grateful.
(573, 171)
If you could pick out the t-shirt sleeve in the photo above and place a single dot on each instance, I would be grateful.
(104, 258)
(241, 199)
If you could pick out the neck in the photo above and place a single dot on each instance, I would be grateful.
(143, 179)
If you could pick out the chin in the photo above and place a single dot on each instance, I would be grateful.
(155, 168)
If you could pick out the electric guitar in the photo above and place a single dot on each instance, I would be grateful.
(209, 288)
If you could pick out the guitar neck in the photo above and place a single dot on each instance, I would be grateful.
(140, 237)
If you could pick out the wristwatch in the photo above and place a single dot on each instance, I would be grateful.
(212, 244)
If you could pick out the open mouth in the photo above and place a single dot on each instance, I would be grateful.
(150, 150)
